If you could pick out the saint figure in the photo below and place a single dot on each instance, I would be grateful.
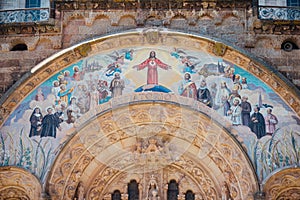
(116, 86)
(50, 123)
(246, 109)
(203, 94)
(36, 122)
(235, 112)
(187, 87)
(271, 121)
(257, 123)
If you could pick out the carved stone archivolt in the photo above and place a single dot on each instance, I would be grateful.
(141, 139)
(283, 185)
(17, 183)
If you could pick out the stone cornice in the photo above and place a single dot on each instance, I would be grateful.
(154, 4)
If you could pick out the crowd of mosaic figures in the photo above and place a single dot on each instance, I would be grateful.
(231, 104)
(79, 91)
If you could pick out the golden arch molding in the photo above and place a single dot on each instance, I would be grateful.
(17, 183)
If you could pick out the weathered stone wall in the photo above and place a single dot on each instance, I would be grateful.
(234, 24)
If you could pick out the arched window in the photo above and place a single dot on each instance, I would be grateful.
(133, 190)
(173, 190)
(19, 47)
(189, 195)
(116, 195)
(33, 4)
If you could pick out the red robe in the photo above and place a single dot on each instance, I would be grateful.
(188, 89)
(152, 64)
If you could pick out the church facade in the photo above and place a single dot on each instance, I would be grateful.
(149, 100)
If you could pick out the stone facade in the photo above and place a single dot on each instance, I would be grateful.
(235, 23)
(150, 138)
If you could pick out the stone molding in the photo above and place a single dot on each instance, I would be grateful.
(17, 183)
(283, 185)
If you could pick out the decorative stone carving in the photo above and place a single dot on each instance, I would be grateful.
(161, 137)
(152, 36)
(16, 183)
(283, 185)
(219, 49)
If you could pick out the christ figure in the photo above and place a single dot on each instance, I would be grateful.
(152, 63)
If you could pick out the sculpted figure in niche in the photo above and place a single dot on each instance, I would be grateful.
(225, 192)
(153, 147)
(152, 189)
(79, 192)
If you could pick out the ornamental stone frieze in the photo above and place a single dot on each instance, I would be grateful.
(283, 184)
(154, 4)
(280, 27)
(17, 183)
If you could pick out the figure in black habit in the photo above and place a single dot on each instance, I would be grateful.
(203, 94)
(246, 109)
(257, 123)
(36, 122)
(50, 123)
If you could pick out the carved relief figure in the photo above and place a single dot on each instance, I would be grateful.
(153, 189)
(79, 192)
(225, 192)
(153, 147)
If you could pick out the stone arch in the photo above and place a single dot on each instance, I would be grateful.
(18, 183)
(17, 42)
(177, 20)
(127, 20)
(45, 43)
(71, 16)
(283, 184)
(116, 129)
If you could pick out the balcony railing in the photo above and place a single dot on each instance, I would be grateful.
(24, 15)
(279, 13)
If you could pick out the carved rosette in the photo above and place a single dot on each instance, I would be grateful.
(17, 183)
